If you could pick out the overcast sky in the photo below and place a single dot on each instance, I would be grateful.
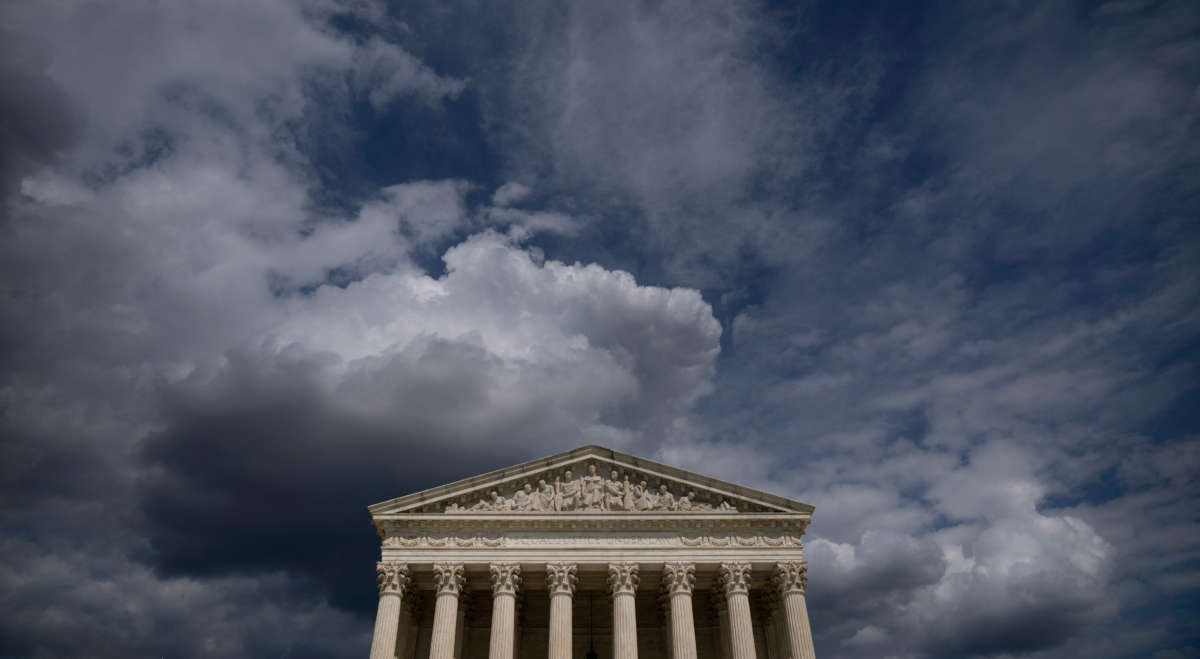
(932, 269)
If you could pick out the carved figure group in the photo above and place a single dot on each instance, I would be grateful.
(591, 492)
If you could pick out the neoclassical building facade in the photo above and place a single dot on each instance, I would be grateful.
(591, 553)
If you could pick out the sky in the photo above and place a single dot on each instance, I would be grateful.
(931, 268)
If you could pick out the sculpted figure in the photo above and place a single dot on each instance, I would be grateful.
(543, 499)
(698, 505)
(523, 498)
(725, 505)
(614, 493)
(685, 501)
(499, 503)
(666, 500)
(646, 499)
(629, 502)
(568, 492)
(593, 490)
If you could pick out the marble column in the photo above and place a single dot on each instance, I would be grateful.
(791, 580)
(560, 581)
(623, 584)
(735, 582)
(393, 580)
(680, 579)
(506, 579)
(449, 579)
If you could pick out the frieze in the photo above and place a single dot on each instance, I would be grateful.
(620, 491)
(689, 540)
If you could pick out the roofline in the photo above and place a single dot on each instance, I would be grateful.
(455, 488)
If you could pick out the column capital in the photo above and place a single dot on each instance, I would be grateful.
(791, 577)
(506, 578)
(623, 578)
(449, 578)
(679, 578)
(734, 578)
(561, 578)
(392, 577)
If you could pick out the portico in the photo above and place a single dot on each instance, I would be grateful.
(591, 548)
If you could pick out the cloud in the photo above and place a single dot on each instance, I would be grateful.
(523, 357)
(38, 123)
(1015, 581)
(196, 335)
(510, 193)
(386, 73)
(120, 608)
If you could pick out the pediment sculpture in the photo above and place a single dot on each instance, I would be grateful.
(621, 491)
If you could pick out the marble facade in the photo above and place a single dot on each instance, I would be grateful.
(586, 549)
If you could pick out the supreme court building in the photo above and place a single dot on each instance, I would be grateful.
(591, 553)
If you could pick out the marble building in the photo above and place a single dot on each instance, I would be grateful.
(591, 553)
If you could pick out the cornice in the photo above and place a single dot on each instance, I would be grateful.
(559, 524)
(511, 477)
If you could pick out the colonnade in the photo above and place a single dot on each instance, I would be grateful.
(787, 583)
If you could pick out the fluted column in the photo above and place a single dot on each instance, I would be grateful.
(623, 583)
(506, 579)
(680, 579)
(560, 581)
(450, 579)
(735, 582)
(393, 580)
(791, 579)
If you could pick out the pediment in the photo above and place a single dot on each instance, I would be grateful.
(586, 481)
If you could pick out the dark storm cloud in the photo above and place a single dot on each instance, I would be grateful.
(36, 119)
(260, 469)
(1023, 618)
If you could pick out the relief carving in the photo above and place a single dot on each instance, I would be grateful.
(591, 492)
(698, 538)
